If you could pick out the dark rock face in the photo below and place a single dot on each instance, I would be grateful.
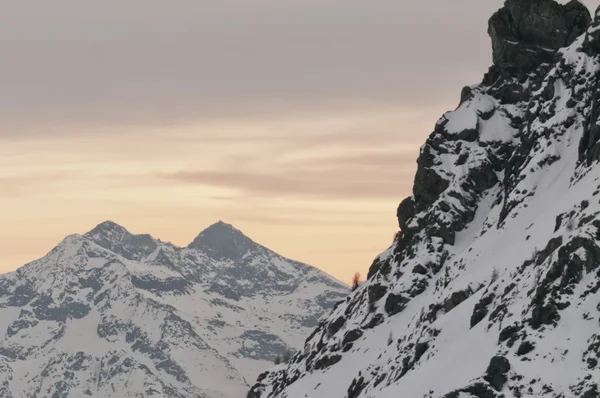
(335, 327)
(357, 386)
(420, 350)
(376, 292)
(496, 372)
(352, 336)
(428, 185)
(45, 309)
(256, 391)
(481, 309)
(419, 269)
(478, 390)
(509, 335)
(117, 239)
(405, 212)
(162, 286)
(526, 32)
(525, 348)
(327, 361)
(578, 19)
(589, 147)
(456, 299)
(395, 303)
(222, 241)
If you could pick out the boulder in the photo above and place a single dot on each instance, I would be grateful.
(496, 372)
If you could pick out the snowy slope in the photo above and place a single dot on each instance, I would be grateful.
(111, 314)
(491, 289)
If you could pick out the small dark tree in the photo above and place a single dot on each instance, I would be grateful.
(355, 281)
(277, 359)
(495, 275)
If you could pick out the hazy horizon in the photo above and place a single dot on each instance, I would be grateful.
(298, 123)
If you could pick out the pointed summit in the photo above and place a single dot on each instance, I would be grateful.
(107, 227)
(223, 241)
(118, 239)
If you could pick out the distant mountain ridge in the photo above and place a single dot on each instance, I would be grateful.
(114, 314)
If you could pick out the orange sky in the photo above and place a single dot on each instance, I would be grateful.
(321, 188)
(299, 122)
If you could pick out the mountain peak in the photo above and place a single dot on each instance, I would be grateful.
(108, 227)
(223, 241)
(118, 239)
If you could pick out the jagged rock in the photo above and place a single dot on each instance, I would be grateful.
(256, 391)
(376, 292)
(335, 326)
(456, 299)
(481, 309)
(419, 269)
(352, 336)
(356, 387)
(525, 348)
(375, 321)
(588, 147)
(406, 211)
(578, 19)
(509, 334)
(592, 392)
(428, 185)
(327, 361)
(478, 390)
(496, 372)
(395, 303)
(526, 32)
(420, 350)
(465, 95)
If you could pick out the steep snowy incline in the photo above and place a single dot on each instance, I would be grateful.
(491, 289)
(112, 314)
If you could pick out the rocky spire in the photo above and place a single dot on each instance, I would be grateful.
(527, 33)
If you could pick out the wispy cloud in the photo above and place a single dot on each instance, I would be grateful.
(204, 60)
(350, 177)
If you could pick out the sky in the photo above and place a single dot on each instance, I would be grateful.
(298, 122)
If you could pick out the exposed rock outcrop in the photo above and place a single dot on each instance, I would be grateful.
(499, 241)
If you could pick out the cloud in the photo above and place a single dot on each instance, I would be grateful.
(350, 177)
(149, 63)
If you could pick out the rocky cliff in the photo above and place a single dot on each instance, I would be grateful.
(491, 287)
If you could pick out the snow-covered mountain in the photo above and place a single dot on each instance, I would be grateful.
(112, 314)
(492, 287)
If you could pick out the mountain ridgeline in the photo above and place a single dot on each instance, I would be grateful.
(113, 314)
(491, 288)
